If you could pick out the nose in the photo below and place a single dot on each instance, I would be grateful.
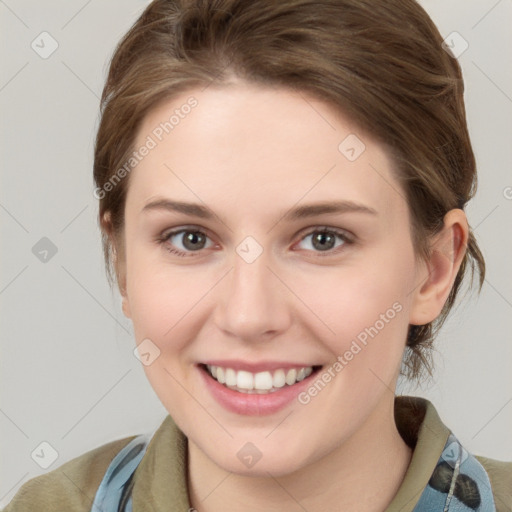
(253, 301)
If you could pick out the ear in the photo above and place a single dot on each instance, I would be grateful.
(118, 259)
(437, 275)
(119, 262)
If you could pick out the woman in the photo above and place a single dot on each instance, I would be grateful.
(282, 189)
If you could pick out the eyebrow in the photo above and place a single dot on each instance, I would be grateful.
(301, 212)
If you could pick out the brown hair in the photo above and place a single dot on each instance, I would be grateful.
(379, 62)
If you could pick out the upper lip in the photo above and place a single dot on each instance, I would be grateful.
(255, 367)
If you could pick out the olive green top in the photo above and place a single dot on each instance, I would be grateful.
(160, 480)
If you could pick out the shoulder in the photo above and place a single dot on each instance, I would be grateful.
(72, 486)
(500, 475)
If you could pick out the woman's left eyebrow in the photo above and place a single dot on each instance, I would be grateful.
(300, 212)
(311, 210)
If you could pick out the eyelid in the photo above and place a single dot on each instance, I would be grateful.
(187, 227)
(166, 234)
(304, 232)
(348, 237)
(331, 229)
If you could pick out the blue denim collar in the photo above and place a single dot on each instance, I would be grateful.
(459, 483)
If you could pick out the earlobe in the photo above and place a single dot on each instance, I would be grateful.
(439, 272)
(117, 260)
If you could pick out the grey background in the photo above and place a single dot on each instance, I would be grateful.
(68, 373)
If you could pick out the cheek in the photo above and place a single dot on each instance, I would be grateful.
(348, 300)
(166, 311)
(360, 312)
(161, 303)
(169, 306)
(158, 298)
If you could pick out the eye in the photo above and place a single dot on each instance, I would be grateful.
(324, 240)
(184, 242)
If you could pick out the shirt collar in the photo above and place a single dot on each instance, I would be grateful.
(161, 477)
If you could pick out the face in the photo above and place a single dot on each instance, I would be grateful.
(298, 254)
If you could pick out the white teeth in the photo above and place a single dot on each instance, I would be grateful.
(244, 380)
(220, 375)
(291, 377)
(261, 382)
(279, 379)
(230, 377)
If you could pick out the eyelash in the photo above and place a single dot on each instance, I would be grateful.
(164, 238)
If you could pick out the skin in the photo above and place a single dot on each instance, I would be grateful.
(250, 154)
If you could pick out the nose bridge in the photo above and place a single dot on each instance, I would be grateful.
(253, 304)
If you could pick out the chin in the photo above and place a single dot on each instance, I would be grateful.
(277, 465)
(255, 460)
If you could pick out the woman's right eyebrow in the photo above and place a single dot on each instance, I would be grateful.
(194, 209)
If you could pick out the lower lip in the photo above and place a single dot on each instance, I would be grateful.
(253, 404)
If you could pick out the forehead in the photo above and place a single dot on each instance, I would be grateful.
(256, 148)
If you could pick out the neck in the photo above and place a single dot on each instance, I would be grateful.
(356, 476)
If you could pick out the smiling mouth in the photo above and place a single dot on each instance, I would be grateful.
(259, 383)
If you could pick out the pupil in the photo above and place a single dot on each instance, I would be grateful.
(321, 239)
(191, 239)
